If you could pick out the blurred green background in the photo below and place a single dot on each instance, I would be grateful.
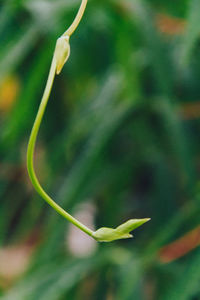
(119, 140)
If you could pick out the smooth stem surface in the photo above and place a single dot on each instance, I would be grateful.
(31, 148)
(77, 19)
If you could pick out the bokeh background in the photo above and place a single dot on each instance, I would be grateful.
(119, 140)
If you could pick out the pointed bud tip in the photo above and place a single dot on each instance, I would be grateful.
(147, 219)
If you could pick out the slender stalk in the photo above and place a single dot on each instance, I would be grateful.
(77, 19)
(61, 54)
(34, 133)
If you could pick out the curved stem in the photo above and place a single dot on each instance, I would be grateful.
(77, 19)
(31, 148)
(60, 57)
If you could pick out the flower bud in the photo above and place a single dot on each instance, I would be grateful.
(62, 52)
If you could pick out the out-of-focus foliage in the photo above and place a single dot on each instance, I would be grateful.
(120, 140)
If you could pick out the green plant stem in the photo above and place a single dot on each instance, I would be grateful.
(77, 19)
(31, 148)
(61, 54)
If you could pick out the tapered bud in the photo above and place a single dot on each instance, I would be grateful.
(62, 52)
(106, 234)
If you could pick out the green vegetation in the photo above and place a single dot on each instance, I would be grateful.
(120, 140)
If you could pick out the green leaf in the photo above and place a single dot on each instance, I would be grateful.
(106, 234)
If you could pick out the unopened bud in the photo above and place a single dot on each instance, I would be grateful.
(62, 52)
